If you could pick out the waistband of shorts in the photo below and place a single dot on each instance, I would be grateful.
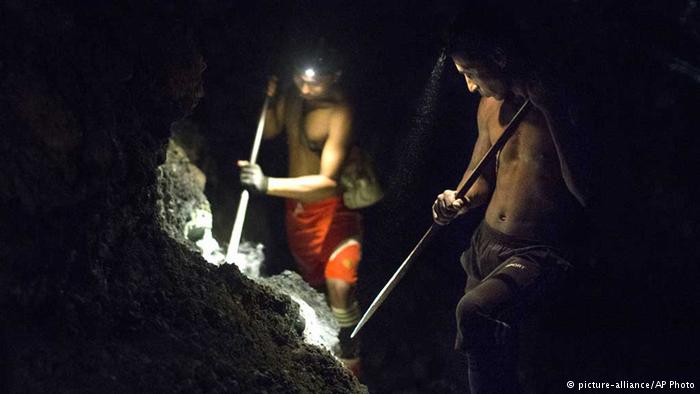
(492, 234)
(330, 201)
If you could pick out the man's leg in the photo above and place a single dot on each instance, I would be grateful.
(341, 276)
(341, 296)
(486, 319)
(488, 341)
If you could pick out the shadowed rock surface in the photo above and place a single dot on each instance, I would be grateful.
(185, 216)
(95, 297)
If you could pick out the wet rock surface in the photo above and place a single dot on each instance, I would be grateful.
(95, 296)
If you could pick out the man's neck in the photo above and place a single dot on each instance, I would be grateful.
(327, 100)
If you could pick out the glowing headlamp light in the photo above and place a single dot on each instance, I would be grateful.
(310, 73)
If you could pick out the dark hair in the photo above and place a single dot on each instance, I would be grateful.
(485, 33)
(322, 57)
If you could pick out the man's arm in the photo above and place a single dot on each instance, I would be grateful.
(274, 116)
(572, 141)
(480, 192)
(573, 149)
(335, 150)
(446, 207)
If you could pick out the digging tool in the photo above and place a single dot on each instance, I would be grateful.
(394, 280)
(235, 241)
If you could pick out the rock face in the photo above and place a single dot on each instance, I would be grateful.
(95, 297)
(183, 209)
(320, 327)
(185, 216)
(180, 195)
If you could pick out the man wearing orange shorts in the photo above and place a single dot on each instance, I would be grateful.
(324, 236)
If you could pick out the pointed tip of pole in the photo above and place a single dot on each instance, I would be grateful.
(357, 329)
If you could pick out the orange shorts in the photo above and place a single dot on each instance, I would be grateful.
(324, 238)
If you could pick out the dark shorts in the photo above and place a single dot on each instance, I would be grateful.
(509, 280)
(492, 251)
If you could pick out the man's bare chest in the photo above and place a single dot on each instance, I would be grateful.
(309, 128)
(530, 144)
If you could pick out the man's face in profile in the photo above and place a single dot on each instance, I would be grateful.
(311, 85)
(482, 77)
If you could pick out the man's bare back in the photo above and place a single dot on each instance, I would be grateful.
(530, 198)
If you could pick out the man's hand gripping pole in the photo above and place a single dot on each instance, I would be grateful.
(235, 241)
(490, 155)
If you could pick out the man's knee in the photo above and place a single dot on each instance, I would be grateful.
(471, 327)
(342, 264)
(476, 329)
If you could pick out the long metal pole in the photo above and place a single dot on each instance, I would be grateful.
(394, 280)
(235, 241)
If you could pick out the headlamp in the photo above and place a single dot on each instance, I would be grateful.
(310, 72)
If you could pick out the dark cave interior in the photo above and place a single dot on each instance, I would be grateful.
(97, 296)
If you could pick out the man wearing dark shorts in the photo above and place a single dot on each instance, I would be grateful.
(521, 253)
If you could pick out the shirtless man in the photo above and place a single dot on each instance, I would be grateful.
(323, 235)
(521, 252)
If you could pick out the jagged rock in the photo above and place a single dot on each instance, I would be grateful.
(181, 199)
(182, 202)
(320, 327)
(183, 209)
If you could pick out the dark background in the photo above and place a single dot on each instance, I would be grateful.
(633, 312)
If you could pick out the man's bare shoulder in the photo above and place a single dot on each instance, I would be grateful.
(534, 119)
(487, 114)
(504, 111)
(488, 107)
(341, 112)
